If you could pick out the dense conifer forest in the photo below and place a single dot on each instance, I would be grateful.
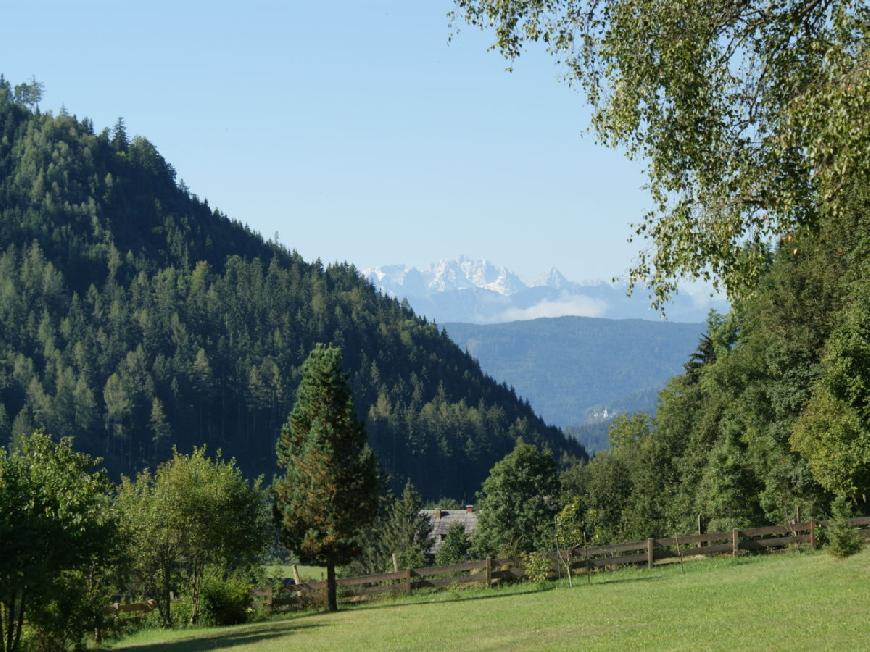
(136, 317)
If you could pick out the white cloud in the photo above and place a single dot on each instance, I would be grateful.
(567, 305)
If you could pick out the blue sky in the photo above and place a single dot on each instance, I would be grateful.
(353, 129)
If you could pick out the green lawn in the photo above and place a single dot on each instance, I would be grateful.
(776, 602)
(286, 570)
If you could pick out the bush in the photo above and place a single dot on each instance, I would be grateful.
(537, 566)
(454, 549)
(181, 607)
(227, 601)
(843, 539)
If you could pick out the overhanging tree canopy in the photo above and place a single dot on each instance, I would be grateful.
(752, 115)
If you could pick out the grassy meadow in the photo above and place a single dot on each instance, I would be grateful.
(312, 573)
(794, 600)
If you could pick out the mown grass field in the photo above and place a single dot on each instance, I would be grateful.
(286, 570)
(796, 600)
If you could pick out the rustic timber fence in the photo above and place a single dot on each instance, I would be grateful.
(136, 609)
(353, 589)
(490, 572)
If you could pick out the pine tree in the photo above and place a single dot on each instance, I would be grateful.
(408, 532)
(5, 427)
(455, 547)
(843, 539)
(329, 490)
(160, 428)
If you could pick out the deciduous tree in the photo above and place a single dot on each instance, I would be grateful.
(517, 502)
(193, 512)
(751, 115)
(58, 531)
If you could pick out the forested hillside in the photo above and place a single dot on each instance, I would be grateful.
(136, 318)
(570, 366)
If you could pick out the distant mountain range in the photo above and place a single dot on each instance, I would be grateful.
(479, 292)
(580, 372)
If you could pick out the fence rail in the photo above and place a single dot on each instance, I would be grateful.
(488, 572)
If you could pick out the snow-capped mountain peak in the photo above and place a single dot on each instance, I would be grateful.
(446, 276)
(554, 279)
(475, 290)
(483, 274)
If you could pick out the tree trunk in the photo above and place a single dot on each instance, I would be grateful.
(10, 624)
(194, 597)
(166, 600)
(14, 619)
(331, 592)
(17, 640)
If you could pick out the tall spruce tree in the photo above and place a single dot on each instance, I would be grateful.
(329, 490)
(408, 532)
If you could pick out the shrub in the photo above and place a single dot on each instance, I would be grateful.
(454, 549)
(181, 607)
(227, 601)
(537, 566)
(843, 539)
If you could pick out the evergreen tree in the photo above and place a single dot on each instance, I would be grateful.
(375, 554)
(329, 489)
(408, 532)
(5, 426)
(160, 430)
(843, 539)
(726, 493)
(455, 547)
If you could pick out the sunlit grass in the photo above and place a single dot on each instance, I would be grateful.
(286, 570)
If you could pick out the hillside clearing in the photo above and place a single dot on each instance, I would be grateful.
(785, 601)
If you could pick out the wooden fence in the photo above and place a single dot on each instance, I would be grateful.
(489, 572)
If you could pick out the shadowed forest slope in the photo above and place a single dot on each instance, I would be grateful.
(136, 317)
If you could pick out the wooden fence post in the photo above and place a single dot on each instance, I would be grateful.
(812, 537)
(407, 581)
(650, 553)
(488, 568)
(735, 542)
